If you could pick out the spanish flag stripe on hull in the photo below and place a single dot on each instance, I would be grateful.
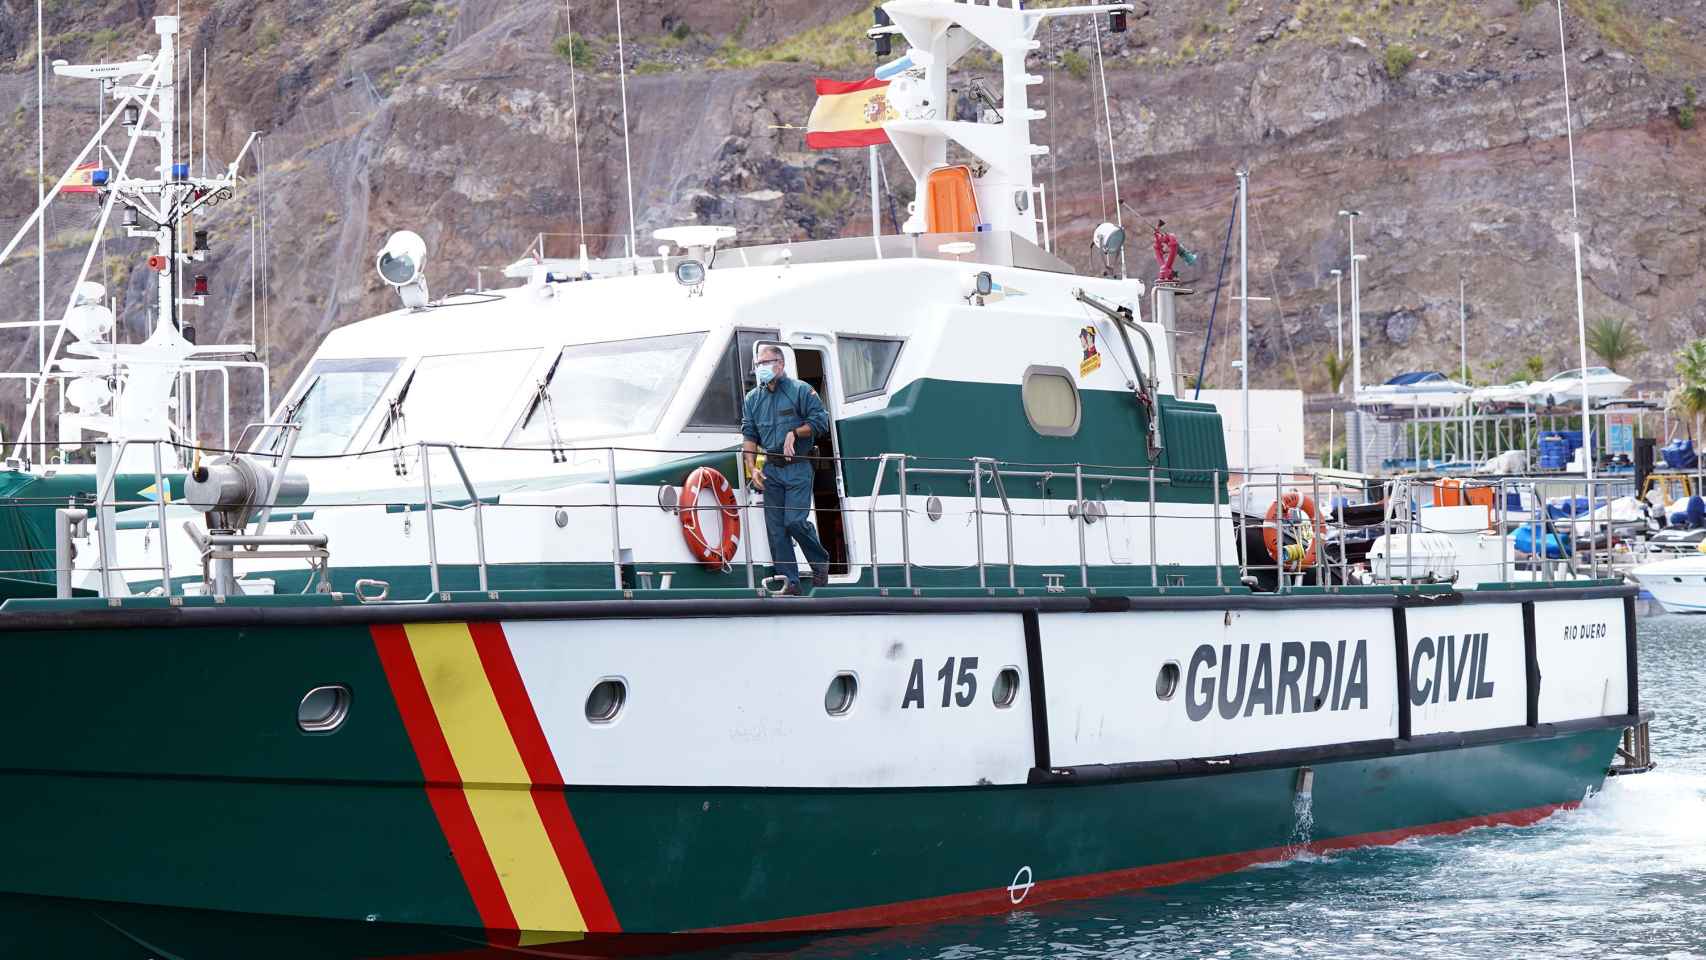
(443, 792)
(548, 797)
(480, 740)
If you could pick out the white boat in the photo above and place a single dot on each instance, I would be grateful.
(1565, 388)
(1679, 585)
(1038, 668)
(1501, 394)
(1428, 389)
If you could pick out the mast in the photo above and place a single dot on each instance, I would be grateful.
(1244, 306)
(1576, 236)
(940, 32)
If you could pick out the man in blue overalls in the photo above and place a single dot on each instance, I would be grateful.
(781, 415)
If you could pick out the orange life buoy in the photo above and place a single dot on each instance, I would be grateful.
(1312, 536)
(720, 557)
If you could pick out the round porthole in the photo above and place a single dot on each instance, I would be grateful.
(1167, 681)
(838, 699)
(1006, 687)
(933, 508)
(604, 703)
(323, 709)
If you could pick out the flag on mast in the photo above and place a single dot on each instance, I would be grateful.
(849, 114)
(83, 179)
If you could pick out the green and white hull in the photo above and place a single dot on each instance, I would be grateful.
(157, 758)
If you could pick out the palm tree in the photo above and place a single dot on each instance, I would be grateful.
(1336, 369)
(1535, 367)
(1611, 338)
(1689, 397)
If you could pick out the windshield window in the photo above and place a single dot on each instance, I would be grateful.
(335, 399)
(611, 389)
(459, 397)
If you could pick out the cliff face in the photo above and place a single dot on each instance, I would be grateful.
(1441, 120)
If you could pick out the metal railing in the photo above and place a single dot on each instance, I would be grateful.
(1279, 549)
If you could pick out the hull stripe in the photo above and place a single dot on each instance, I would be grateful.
(548, 797)
(448, 802)
(1000, 899)
(494, 785)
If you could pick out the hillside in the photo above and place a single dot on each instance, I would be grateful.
(1441, 120)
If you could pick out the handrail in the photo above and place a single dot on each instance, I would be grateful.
(1400, 526)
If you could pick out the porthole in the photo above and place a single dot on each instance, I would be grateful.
(838, 699)
(323, 709)
(1167, 681)
(604, 703)
(1006, 688)
(1050, 398)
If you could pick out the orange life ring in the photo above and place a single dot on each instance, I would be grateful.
(717, 558)
(1314, 533)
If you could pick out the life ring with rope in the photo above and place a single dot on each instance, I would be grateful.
(720, 557)
(1294, 556)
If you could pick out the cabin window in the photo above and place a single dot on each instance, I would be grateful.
(333, 402)
(438, 405)
(613, 389)
(866, 363)
(1051, 401)
(720, 404)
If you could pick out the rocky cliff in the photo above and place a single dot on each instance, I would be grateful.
(1441, 120)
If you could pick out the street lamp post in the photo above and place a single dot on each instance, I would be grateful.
(1339, 332)
(1353, 437)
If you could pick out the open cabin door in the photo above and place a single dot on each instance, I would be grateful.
(810, 357)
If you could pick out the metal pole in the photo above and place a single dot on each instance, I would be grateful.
(1219, 575)
(876, 216)
(1244, 303)
(432, 531)
(1154, 577)
(977, 509)
(746, 523)
(162, 494)
(905, 533)
(1504, 532)
(616, 523)
(1576, 236)
(871, 521)
(1320, 548)
(1083, 564)
(479, 514)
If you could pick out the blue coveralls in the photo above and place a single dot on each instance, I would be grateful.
(767, 414)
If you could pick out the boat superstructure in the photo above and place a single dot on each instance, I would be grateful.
(430, 646)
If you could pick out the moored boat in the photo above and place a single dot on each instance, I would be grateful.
(421, 653)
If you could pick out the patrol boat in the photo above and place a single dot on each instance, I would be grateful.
(505, 658)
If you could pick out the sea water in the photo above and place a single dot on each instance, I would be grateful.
(1622, 876)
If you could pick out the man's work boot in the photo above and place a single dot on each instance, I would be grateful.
(820, 576)
(791, 590)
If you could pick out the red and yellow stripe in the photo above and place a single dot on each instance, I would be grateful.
(492, 779)
(849, 114)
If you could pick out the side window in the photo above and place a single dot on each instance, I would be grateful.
(1051, 401)
(866, 363)
(719, 405)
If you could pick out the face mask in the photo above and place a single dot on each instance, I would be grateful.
(766, 374)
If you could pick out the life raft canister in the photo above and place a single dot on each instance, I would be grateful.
(1312, 535)
(720, 557)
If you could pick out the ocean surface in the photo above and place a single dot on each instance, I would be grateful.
(1623, 876)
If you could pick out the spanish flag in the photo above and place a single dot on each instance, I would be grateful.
(82, 179)
(849, 114)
